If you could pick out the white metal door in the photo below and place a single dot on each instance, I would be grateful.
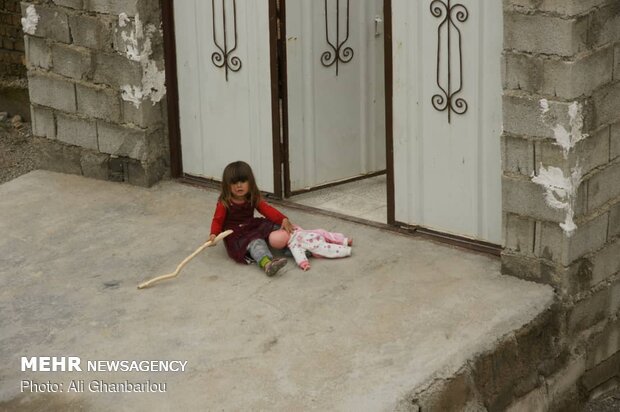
(336, 115)
(223, 64)
(447, 172)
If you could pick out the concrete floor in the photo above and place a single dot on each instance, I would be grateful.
(365, 199)
(352, 334)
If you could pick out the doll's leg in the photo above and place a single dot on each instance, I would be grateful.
(331, 250)
(335, 237)
(260, 252)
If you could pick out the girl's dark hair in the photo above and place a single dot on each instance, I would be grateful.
(239, 172)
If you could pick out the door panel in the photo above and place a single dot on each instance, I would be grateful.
(336, 115)
(225, 115)
(447, 172)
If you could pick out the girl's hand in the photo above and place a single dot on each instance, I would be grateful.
(287, 225)
(211, 239)
(305, 266)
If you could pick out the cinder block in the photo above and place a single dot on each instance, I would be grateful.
(131, 7)
(588, 237)
(555, 245)
(526, 198)
(518, 155)
(523, 72)
(563, 382)
(56, 156)
(522, 116)
(72, 4)
(605, 262)
(53, 23)
(453, 394)
(604, 27)
(71, 61)
(145, 116)
(614, 149)
(554, 76)
(603, 186)
(51, 91)
(76, 131)
(145, 173)
(603, 345)
(91, 32)
(536, 400)
(532, 269)
(588, 312)
(602, 372)
(155, 39)
(43, 122)
(573, 79)
(589, 153)
(604, 389)
(98, 102)
(116, 70)
(38, 52)
(577, 278)
(95, 165)
(520, 234)
(123, 141)
(544, 34)
(614, 220)
(606, 104)
(563, 7)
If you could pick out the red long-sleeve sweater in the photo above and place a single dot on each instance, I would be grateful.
(219, 217)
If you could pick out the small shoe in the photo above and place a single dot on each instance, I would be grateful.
(274, 266)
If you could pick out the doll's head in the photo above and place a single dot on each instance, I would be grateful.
(278, 239)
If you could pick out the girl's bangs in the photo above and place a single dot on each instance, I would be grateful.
(239, 177)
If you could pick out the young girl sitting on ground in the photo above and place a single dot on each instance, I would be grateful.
(235, 211)
(318, 242)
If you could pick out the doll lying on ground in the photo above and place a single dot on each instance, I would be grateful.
(318, 241)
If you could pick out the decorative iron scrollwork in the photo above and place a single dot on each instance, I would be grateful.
(337, 54)
(223, 58)
(451, 14)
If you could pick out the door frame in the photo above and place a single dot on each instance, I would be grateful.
(279, 101)
(283, 68)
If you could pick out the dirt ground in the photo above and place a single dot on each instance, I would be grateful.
(16, 149)
(17, 157)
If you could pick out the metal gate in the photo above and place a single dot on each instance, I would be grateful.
(224, 84)
(335, 90)
(446, 100)
(447, 115)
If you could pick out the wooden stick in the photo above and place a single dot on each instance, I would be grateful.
(187, 259)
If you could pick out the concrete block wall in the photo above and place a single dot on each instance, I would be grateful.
(560, 147)
(96, 110)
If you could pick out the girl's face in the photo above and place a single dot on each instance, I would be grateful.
(239, 190)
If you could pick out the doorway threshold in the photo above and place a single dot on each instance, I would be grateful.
(364, 199)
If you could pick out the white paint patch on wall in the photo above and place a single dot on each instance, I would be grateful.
(29, 23)
(123, 19)
(563, 138)
(560, 190)
(138, 44)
